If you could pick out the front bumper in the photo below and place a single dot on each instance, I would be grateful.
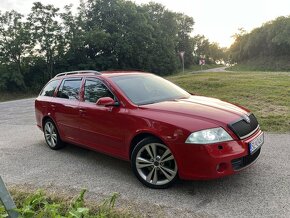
(199, 162)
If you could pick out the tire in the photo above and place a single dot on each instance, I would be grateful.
(154, 164)
(51, 135)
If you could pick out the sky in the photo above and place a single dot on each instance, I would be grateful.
(218, 20)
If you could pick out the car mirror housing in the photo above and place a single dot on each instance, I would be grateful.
(107, 101)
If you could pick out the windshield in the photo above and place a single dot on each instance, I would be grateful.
(147, 88)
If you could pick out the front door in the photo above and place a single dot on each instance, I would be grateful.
(100, 126)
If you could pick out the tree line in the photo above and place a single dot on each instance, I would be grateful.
(102, 35)
(268, 45)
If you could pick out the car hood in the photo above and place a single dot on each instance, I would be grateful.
(204, 108)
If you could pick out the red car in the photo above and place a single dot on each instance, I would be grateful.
(163, 130)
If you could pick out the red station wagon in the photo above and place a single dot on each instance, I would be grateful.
(163, 130)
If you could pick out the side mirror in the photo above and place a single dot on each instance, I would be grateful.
(106, 101)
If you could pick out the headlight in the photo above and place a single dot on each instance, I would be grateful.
(208, 136)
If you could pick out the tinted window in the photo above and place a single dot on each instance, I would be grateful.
(95, 89)
(70, 89)
(49, 89)
(148, 89)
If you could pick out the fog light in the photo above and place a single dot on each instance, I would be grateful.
(221, 167)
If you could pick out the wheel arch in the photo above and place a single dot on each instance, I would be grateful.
(139, 137)
(47, 117)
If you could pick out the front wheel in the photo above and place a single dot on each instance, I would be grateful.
(51, 135)
(154, 164)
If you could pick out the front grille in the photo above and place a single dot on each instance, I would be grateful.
(242, 128)
(239, 163)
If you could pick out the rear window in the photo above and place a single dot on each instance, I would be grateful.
(70, 89)
(49, 89)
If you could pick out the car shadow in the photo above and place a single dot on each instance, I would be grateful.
(102, 170)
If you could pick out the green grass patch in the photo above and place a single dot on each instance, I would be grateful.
(41, 204)
(266, 94)
(7, 96)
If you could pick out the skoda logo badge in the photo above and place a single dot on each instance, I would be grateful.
(247, 119)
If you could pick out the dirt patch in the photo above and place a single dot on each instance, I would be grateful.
(274, 110)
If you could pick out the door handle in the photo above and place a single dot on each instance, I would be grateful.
(82, 111)
(70, 106)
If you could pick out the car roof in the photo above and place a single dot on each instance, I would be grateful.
(97, 73)
(122, 73)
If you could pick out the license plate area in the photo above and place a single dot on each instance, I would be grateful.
(256, 143)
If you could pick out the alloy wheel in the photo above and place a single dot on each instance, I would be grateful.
(156, 165)
(50, 134)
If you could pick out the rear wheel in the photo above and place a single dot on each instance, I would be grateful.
(154, 164)
(51, 135)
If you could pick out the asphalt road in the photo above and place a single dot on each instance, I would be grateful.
(262, 190)
(213, 70)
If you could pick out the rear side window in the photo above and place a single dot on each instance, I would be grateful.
(49, 89)
(95, 89)
(70, 89)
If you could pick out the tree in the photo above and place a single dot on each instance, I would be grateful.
(73, 54)
(164, 37)
(46, 32)
(236, 49)
(201, 46)
(185, 27)
(216, 53)
(102, 35)
(271, 40)
(14, 46)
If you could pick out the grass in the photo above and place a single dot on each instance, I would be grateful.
(267, 94)
(7, 96)
(43, 204)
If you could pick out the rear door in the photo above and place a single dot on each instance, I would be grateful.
(65, 109)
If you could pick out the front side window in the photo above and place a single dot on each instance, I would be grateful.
(95, 89)
(49, 89)
(70, 89)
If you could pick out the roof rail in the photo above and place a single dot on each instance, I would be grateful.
(78, 72)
